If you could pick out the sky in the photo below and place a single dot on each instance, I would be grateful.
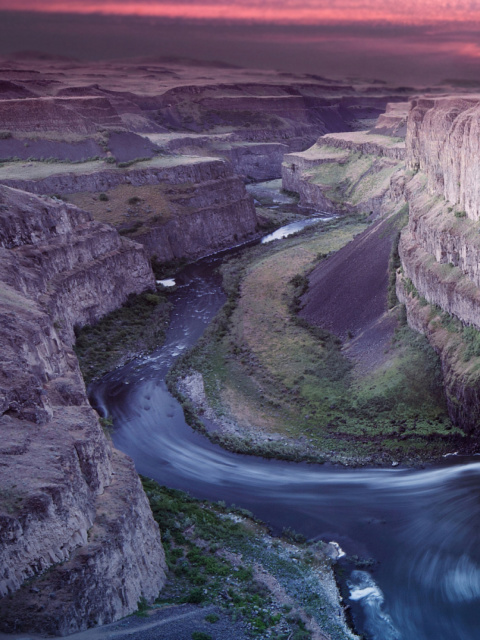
(407, 41)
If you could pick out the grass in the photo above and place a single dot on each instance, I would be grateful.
(265, 368)
(212, 551)
(139, 325)
(459, 346)
(356, 178)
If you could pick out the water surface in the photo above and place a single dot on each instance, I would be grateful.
(420, 526)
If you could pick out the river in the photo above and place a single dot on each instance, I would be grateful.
(420, 526)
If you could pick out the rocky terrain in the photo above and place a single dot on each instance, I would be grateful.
(439, 248)
(104, 167)
(92, 159)
(353, 172)
(179, 140)
(433, 171)
(78, 543)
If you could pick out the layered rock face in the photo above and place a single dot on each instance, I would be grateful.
(440, 248)
(206, 206)
(348, 172)
(443, 142)
(78, 543)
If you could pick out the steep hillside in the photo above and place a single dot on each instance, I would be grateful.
(78, 543)
(347, 173)
(439, 280)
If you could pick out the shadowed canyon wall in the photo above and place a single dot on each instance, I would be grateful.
(71, 504)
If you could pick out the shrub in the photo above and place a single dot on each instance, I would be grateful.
(460, 214)
(133, 199)
(4, 135)
(200, 635)
(196, 596)
(212, 618)
(103, 197)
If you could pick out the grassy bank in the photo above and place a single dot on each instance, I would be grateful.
(138, 326)
(268, 372)
(280, 588)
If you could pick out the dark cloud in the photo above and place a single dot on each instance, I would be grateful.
(400, 53)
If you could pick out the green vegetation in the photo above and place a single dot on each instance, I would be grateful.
(355, 179)
(212, 618)
(211, 552)
(471, 337)
(265, 367)
(139, 325)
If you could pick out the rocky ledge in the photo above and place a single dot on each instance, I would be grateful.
(78, 542)
(180, 206)
(439, 280)
(355, 172)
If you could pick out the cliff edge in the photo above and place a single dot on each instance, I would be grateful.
(79, 545)
(439, 279)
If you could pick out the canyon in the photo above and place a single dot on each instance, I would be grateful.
(97, 179)
(107, 169)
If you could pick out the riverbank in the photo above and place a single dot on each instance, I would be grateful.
(265, 382)
(280, 587)
(136, 327)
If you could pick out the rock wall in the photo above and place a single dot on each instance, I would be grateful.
(443, 142)
(78, 544)
(210, 208)
(81, 115)
(440, 248)
(347, 173)
(175, 170)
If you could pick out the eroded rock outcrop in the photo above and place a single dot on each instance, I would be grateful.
(440, 249)
(443, 142)
(204, 206)
(78, 543)
(354, 172)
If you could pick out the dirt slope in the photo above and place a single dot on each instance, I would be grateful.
(348, 291)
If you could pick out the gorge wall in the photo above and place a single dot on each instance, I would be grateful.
(184, 206)
(78, 543)
(354, 172)
(440, 249)
(435, 171)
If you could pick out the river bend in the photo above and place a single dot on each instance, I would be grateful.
(421, 526)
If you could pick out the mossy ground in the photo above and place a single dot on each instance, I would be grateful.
(265, 368)
(138, 326)
(356, 179)
(213, 553)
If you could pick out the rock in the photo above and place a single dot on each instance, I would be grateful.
(62, 507)
(355, 172)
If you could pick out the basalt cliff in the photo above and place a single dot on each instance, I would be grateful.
(439, 250)
(423, 154)
(79, 545)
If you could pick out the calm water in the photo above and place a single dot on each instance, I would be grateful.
(421, 526)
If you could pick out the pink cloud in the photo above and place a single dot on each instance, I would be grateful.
(410, 12)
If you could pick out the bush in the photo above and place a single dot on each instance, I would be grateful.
(200, 635)
(460, 214)
(212, 618)
(133, 199)
(5, 135)
(196, 596)
(103, 197)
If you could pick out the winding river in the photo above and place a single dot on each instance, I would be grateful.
(420, 526)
